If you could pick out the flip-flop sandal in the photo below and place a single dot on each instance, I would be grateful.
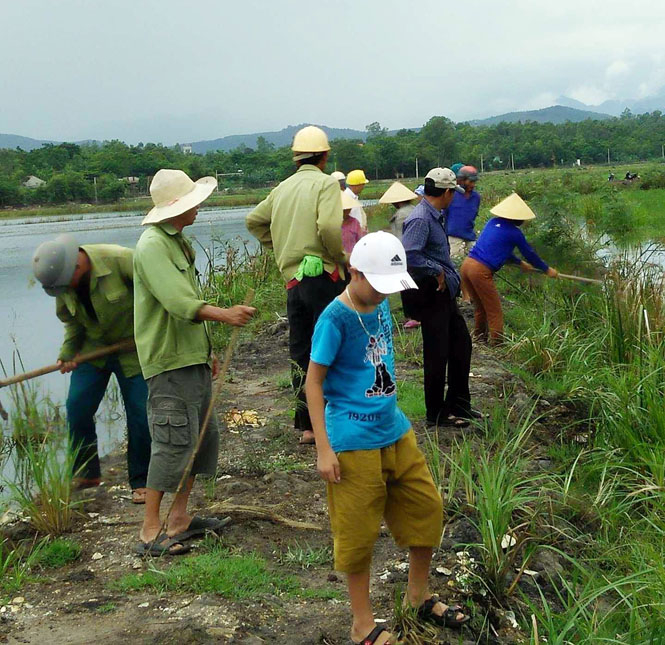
(200, 526)
(449, 618)
(373, 636)
(456, 422)
(164, 546)
(138, 495)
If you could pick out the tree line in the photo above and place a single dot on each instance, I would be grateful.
(83, 173)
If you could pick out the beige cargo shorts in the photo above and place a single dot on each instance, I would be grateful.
(177, 404)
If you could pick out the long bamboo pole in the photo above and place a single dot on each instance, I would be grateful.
(579, 278)
(221, 377)
(125, 345)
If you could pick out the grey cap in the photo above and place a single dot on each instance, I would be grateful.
(444, 178)
(54, 263)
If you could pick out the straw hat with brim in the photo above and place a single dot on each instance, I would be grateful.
(513, 207)
(174, 193)
(348, 201)
(397, 193)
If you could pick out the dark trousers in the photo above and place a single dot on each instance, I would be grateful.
(86, 391)
(446, 349)
(304, 304)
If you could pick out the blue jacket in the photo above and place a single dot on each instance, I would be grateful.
(426, 244)
(461, 215)
(496, 243)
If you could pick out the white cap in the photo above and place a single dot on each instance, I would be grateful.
(338, 175)
(444, 178)
(381, 258)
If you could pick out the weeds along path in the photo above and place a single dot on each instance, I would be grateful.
(266, 579)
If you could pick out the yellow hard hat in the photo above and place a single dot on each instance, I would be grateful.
(356, 178)
(309, 141)
(513, 207)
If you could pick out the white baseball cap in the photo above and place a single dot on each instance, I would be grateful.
(381, 258)
(444, 178)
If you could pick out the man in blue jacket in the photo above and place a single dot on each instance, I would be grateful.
(462, 213)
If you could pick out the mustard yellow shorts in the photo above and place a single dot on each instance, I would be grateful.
(392, 483)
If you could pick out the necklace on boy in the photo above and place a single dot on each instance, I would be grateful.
(360, 320)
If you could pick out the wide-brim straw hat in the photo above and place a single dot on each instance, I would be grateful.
(513, 207)
(397, 193)
(348, 201)
(174, 193)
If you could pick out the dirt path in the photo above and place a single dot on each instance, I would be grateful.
(260, 466)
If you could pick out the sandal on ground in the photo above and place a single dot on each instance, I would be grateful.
(451, 421)
(452, 617)
(138, 495)
(163, 546)
(307, 440)
(472, 413)
(373, 636)
(200, 526)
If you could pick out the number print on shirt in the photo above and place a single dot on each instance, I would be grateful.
(383, 385)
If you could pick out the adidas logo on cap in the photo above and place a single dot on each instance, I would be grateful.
(396, 261)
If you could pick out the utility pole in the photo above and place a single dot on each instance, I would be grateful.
(512, 160)
(94, 183)
(662, 150)
(417, 168)
(608, 156)
(482, 167)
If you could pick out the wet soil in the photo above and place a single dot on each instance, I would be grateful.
(265, 467)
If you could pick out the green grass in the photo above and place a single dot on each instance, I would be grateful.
(223, 572)
(57, 553)
(306, 556)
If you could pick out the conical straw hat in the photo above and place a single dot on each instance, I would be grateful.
(513, 207)
(348, 201)
(397, 193)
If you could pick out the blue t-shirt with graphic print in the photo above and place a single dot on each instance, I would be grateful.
(362, 412)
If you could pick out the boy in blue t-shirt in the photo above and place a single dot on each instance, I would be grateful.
(366, 449)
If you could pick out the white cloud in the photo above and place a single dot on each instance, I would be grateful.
(616, 69)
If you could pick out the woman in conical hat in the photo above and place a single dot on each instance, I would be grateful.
(400, 197)
(494, 248)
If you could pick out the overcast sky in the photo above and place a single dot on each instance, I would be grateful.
(176, 70)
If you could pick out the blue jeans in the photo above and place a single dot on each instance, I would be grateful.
(86, 391)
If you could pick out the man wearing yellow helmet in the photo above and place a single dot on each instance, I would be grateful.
(301, 220)
(355, 184)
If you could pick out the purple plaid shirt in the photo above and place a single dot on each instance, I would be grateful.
(426, 244)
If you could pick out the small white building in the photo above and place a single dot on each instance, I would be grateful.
(132, 181)
(186, 148)
(33, 182)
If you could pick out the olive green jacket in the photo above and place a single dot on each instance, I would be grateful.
(302, 216)
(112, 297)
(166, 300)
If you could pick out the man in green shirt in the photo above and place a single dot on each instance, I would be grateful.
(94, 292)
(176, 356)
(301, 220)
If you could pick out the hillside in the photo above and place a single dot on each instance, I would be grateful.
(13, 141)
(281, 138)
(615, 107)
(554, 114)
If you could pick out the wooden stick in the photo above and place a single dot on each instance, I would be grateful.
(206, 420)
(580, 278)
(122, 346)
(264, 514)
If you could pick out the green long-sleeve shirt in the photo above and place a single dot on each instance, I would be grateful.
(166, 301)
(302, 216)
(112, 298)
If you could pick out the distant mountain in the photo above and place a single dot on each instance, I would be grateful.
(278, 139)
(553, 114)
(616, 106)
(13, 141)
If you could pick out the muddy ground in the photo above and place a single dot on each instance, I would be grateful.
(263, 467)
